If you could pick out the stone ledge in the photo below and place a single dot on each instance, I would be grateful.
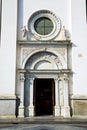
(79, 117)
(7, 117)
(6, 97)
(78, 97)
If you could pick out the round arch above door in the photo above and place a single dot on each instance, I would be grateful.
(43, 61)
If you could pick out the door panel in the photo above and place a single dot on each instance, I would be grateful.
(43, 96)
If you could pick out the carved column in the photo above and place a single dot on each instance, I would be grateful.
(26, 95)
(57, 104)
(31, 107)
(21, 107)
(66, 97)
(61, 96)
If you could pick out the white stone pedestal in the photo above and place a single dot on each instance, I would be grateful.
(21, 111)
(56, 111)
(67, 111)
(31, 110)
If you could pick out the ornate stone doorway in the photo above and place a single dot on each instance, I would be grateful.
(44, 96)
(48, 64)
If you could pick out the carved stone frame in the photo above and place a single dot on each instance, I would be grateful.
(44, 13)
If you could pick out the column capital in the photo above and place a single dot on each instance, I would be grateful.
(65, 77)
(27, 76)
(22, 77)
(31, 78)
(58, 78)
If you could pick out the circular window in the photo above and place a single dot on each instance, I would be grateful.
(43, 26)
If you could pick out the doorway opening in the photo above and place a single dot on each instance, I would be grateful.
(44, 96)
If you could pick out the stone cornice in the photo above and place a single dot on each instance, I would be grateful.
(25, 42)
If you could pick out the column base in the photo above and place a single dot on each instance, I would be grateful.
(31, 110)
(67, 111)
(56, 111)
(26, 111)
(21, 111)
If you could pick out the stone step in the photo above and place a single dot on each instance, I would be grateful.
(43, 120)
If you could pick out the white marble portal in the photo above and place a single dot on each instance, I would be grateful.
(44, 62)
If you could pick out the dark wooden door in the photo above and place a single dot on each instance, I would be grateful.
(44, 97)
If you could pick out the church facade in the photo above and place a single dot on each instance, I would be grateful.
(43, 58)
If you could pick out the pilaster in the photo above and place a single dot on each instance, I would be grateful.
(21, 107)
(31, 106)
(66, 97)
(57, 104)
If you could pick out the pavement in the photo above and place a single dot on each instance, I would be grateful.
(43, 127)
(43, 123)
(43, 120)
